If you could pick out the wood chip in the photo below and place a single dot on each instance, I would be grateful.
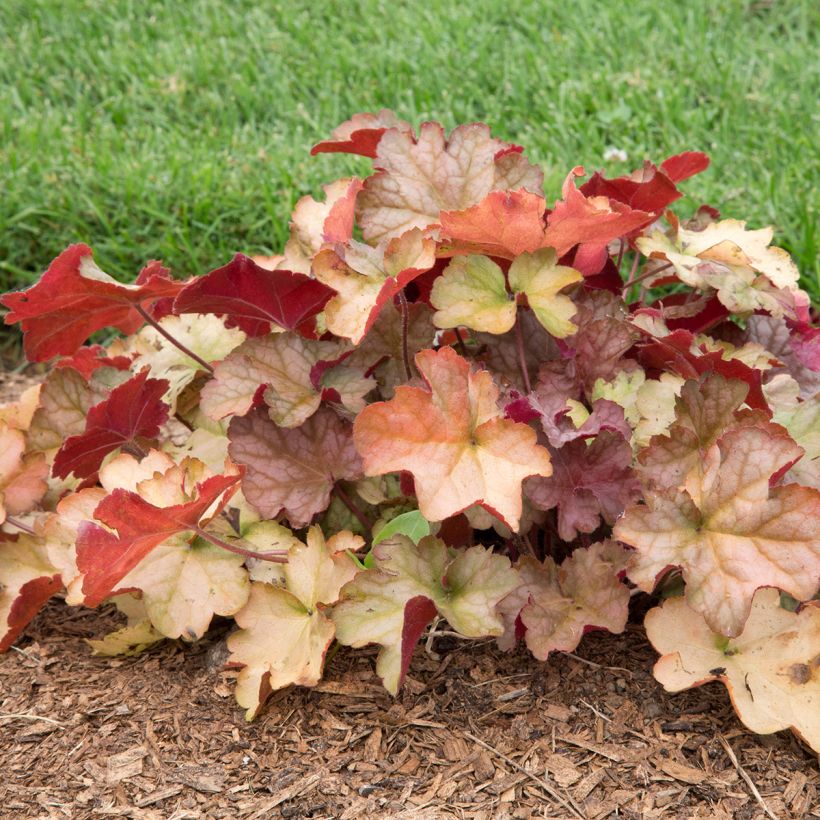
(585, 787)
(686, 774)
(202, 779)
(157, 796)
(125, 764)
(563, 770)
(794, 788)
(607, 751)
(455, 749)
(300, 787)
(483, 767)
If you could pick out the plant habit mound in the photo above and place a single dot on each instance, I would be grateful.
(449, 397)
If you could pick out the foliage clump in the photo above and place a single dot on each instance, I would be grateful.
(446, 398)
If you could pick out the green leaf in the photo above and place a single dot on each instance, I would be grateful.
(412, 524)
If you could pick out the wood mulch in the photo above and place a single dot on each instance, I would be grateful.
(475, 733)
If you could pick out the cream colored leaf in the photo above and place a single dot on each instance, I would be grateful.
(366, 278)
(539, 277)
(741, 535)
(419, 178)
(472, 292)
(313, 223)
(284, 634)
(184, 584)
(203, 334)
(771, 669)
(463, 586)
(283, 362)
(133, 638)
(280, 643)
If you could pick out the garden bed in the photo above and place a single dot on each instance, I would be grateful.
(472, 734)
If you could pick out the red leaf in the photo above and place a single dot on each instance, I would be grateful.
(805, 344)
(685, 165)
(674, 352)
(252, 298)
(592, 221)
(418, 613)
(74, 298)
(647, 189)
(361, 134)
(105, 559)
(712, 312)
(89, 358)
(133, 410)
(30, 599)
(589, 481)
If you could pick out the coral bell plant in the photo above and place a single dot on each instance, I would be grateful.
(446, 398)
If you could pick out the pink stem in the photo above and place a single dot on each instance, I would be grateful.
(175, 342)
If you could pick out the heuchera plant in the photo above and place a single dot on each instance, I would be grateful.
(446, 398)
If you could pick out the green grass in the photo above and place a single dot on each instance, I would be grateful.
(181, 130)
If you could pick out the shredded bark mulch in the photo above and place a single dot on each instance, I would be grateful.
(475, 733)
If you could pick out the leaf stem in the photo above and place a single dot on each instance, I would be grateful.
(275, 557)
(19, 524)
(353, 507)
(633, 270)
(175, 342)
(645, 275)
(462, 348)
(620, 255)
(405, 325)
(133, 449)
(522, 361)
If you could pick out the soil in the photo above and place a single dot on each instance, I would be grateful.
(475, 733)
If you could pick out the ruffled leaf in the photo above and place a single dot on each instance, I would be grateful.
(453, 439)
(254, 299)
(566, 602)
(419, 178)
(293, 470)
(132, 411)
(771, 669)
(367, 278)
(739, 536)
(74, 298)
(178, 501)
(392, 603)
(284, 633)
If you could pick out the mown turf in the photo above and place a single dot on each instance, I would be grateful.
(181, 131)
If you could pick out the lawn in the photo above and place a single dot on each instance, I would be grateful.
(182, 131)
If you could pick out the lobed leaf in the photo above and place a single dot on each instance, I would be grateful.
(453, 439)
(771, 669)
(29, 579)
(74, 298)
(393, 602)
(284, 633)
(132, 411)
(740, 535)
(419, 178)
(367, 278)
(141, 525)
(293, 471)
(564, 603)
(254, 299)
